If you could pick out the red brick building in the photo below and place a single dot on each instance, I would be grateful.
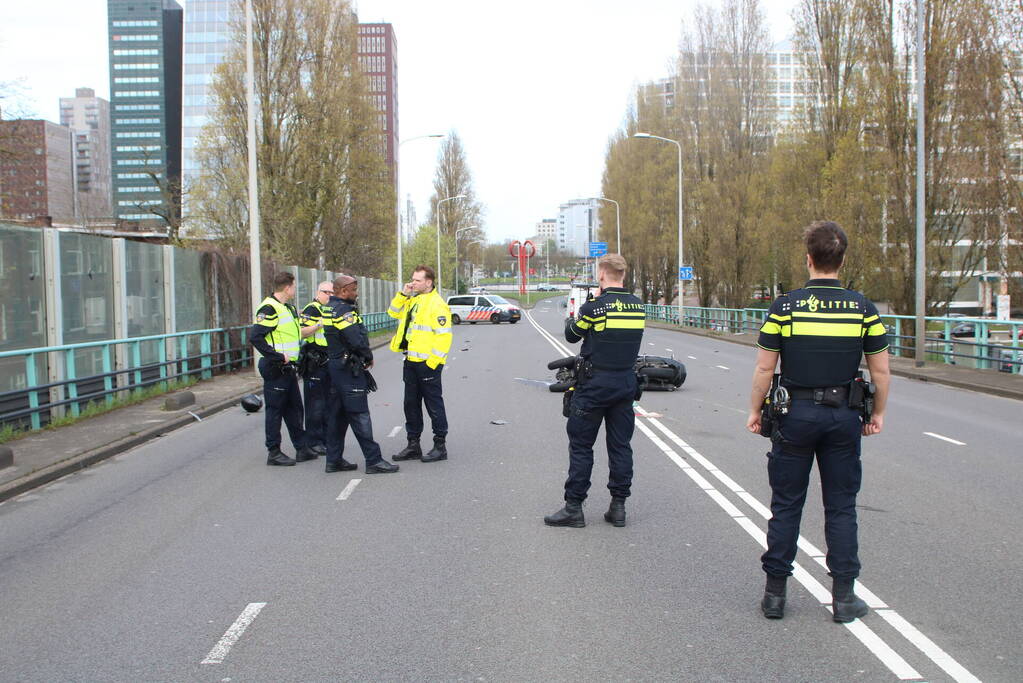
(36, 170)
(378, 51)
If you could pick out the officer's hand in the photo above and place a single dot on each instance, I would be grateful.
(407, 289)
(875, 425)
(753, 422)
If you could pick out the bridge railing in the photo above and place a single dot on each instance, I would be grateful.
(992, 344)
(126, 365)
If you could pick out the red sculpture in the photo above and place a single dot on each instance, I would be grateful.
(523, 251)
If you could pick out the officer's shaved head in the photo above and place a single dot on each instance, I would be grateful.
(342, 281)
(614, 265)
(826, 244)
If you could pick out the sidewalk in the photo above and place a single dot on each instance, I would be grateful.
(49, 454)
(985, 381)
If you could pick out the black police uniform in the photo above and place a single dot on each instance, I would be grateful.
(316, 382)
(281, 394)
(348, 354)
(822, 332)
(611, 327)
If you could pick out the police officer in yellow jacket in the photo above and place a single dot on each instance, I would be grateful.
(316, 378)
(424, 336)
(276, 334)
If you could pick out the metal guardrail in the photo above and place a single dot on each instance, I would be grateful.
(994, 344)
(219, 350)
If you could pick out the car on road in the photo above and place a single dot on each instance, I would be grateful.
(477, 290)
(964, 330)
(546, 287)
(578, 294)
(475, 308)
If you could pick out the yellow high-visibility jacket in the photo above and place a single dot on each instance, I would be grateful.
(429, 327)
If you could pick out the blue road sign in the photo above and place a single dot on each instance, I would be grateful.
(597, 249)
(685, 273)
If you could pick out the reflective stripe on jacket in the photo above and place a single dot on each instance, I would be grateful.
(313, 313)
(429, 330)
(284, 334)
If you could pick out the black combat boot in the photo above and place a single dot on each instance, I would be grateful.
(275, 457)
(411, 452)
(616, 513)
(845, 604)
(381, 467)
(570, 515)
(438, 452)
(773, 604)
(303, 454)
(341, 465)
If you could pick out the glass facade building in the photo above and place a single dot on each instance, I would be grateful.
(207, 39)
(145, 104)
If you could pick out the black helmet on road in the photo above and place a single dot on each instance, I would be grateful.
(252, 403)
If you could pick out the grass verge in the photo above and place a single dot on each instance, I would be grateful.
(99, 407)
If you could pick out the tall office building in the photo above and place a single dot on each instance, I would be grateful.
(36, 173)
(578, 225)
(546, 235)
(88, 117)
(145, 96)
(378, 50)
(207, 40)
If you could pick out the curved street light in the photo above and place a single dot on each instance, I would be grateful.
(618, 218)
(397, 191)
(681, 300)
(437, 284)
(456, 252)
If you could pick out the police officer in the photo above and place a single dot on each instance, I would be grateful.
(349, 359)
(316, 378)
(820, 332)
(611, 327)
(276, 334)
(424, 336)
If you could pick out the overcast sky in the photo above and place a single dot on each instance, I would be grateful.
(534, 87)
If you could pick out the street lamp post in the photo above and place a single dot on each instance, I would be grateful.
(921, 190)
(397, 190)
(446, 199)
(255, 271)
(681, 300)
(456, 252)
(618, 219)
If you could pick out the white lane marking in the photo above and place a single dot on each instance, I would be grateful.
(888, 656)
(347, 491)
(722, 367)
(548, 336)
(691, 357)
(891, 659)
(945, 438)
(231, 636)
(927, 646)
(394, 432)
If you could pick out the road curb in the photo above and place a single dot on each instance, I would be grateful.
(894, 369)
(79, 462)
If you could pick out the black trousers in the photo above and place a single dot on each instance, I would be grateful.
(423, 385)
(316, 388)
(283, 400)
(606, 397)
(833, 436)
(347, 406)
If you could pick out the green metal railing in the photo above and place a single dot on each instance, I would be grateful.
(122, 369)
(993, 344)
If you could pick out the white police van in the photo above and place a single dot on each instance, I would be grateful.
(578, 294)
(475, 308)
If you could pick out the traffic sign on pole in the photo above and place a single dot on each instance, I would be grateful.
(685, 273)
(597, 249)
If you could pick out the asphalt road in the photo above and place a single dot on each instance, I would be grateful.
(189, 559)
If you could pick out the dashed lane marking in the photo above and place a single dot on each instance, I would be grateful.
(231, 636)
(723, 367)
(347, 491)
(394, 432)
